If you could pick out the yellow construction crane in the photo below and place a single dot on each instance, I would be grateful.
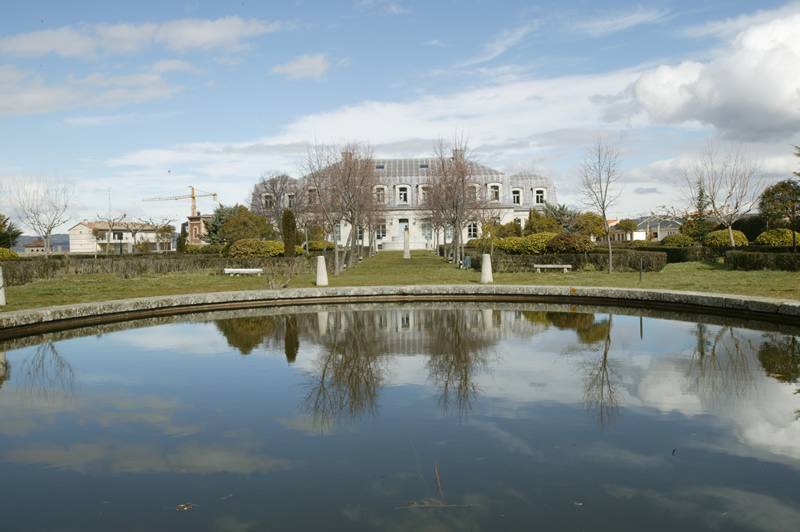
(193, 195)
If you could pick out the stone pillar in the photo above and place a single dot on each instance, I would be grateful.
(322, 323)
(406, 245)
(2, 289)
(322, 272)
(486, 269)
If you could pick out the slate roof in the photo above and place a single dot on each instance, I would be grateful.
(421, 168)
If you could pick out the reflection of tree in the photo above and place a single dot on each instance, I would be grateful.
(584, 325)
(291, 340)
(46, 370)
(245, 334)
(457, 355)
(780, 357)
(350, 372)
(721, 362)
(5, 369)
(600, 394)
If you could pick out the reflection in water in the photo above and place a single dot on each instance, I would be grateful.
(567, 423)
(600, 391)
(46, 372)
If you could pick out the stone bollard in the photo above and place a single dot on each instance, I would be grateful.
(406, 245)
(322, 272)
(2, 289)
(486, 269)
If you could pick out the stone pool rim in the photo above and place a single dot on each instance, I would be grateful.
(29, 322)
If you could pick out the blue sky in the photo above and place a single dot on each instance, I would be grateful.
(145, 98)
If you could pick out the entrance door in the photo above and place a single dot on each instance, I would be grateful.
(402, 225)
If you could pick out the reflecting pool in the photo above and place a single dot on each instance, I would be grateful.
(404, 417)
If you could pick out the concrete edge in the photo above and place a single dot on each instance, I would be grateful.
(34, 321)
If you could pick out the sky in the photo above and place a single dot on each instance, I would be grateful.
(126, 101)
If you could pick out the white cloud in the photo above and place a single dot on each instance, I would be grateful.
(384, 6)
(501, 44)
(311, 66)
(98, 120)
(434, 42)
(728, 28)
(178, 35)
(617, 22)
(749, 90)
(172, 65)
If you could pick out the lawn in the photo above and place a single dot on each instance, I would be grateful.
(388, 268)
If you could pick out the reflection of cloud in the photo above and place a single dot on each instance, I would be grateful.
(718, 505)
(231, 523)
(106, 458)
(195, 339)
(622, 457)
(509, 441)
(306, 425)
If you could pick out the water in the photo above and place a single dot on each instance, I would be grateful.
(423, 417)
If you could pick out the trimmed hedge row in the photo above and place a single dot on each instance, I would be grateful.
(624, 261)
(757, 260)
(679, 254)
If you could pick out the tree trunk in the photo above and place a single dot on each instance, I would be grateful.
(336, 267)
(608, 241)
(730, 236)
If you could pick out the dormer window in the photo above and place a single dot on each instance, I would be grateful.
(269, 201)
(516, 197)
(380, 166)
(494, 192)
(312, 196)
(290, 200)
(474, 191)
(402, 194)
(423, 195)
(539, 195)
(423, 166)
(380, 195)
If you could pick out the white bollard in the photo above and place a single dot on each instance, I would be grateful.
(322, 272)
(2, 289)
(406, 245)
(486, 269)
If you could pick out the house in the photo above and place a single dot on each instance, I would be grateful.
(124, 237)
(617, 235)
(658, 227)
(34, 247)
(401, 193)
(196, 229)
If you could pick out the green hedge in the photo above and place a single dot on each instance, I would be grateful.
(759, 260)
(209, 249)
(569, 243)
(624, 260)
(678, 240)
(679, 254)
(721, 239)
(319, 245)
(7, 254)
(533, 244)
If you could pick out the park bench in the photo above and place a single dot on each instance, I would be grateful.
(243, 271)
(563, 267)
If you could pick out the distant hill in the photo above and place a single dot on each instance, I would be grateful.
(58, 241)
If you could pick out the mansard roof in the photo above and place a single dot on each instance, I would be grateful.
(422, 167)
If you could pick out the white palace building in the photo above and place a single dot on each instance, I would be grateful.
(402, 190)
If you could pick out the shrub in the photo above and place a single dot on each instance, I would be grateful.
(635, 244)
(533, 244)
(7, 254)
(776, 238)
(251, 247)
(759, 260)
(210, 249)
(678, 240)
(624, 260)
(720, 239)
(569, 243)
(319, 245)
(289, 228)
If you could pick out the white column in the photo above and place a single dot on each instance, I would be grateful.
(322, 272)
(2, 289)
(406, 244)
(486, 269)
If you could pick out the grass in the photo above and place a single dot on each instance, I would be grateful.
(388, 268)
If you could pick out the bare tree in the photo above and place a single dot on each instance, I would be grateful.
(111, 223)
(163, 229)
(454, 194)
(731, 183)
(275, 192)
(600, 177)
(43, 207)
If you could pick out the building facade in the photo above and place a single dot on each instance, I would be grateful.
(401, 195)
(98, 237)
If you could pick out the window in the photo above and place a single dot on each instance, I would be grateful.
(516, 197)
(494, 192)
(423, 166)
(337, 232)
(380, 230)
(269, 201)
(380, 166)
(518, 221)
(539, 196)
(427, 231)
(472, 230)
(474, 189)
(312, 196)
(402, 195)
(360, 234)
(380, 195)
(290, 200)
(117, 235)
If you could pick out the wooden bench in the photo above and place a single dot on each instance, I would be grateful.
(563, 267)
(243, 271)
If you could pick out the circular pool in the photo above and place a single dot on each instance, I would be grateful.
(415, 416)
